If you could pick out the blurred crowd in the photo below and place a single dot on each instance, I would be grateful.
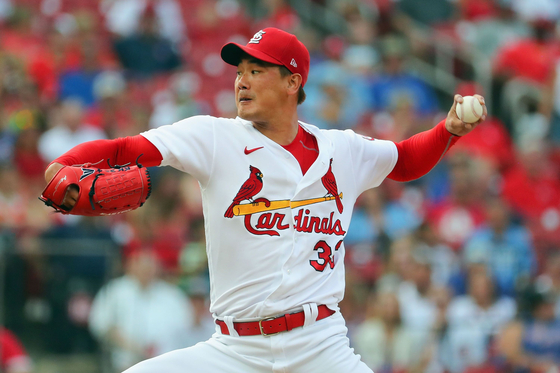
(458, 271)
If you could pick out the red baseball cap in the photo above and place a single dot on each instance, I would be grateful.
(274, 46)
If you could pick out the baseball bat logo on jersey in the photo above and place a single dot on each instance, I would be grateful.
(269, 223)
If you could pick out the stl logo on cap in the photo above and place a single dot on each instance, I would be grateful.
(257, 37)
(279, 48)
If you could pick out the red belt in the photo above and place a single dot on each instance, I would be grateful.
(273, 325)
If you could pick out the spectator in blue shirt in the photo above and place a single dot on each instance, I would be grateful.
(395, 86)
(504, 246)
(376, 215)
(532, 343)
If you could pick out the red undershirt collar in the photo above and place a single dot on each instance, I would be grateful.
(304, 148)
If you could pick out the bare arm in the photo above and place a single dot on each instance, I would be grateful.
(509, 344)
(52, 170)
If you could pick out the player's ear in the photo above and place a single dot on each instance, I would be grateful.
(294, 82)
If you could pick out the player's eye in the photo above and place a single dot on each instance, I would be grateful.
(239, 73)
(254, 71)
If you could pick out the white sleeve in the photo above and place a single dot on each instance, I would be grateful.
(101, 314)
(187, 145)
(372, 159)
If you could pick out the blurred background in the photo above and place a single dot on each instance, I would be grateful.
(458, 271)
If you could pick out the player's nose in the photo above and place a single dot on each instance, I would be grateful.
(242, 82)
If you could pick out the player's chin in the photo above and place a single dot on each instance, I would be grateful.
(245, 113)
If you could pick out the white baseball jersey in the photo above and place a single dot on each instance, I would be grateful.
(274, 236)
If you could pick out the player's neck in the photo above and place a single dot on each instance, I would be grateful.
(281, 131)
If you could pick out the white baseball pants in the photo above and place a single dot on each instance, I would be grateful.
(321, 347)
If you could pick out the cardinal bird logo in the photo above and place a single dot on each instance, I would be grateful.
(329, 182)
(250, 188)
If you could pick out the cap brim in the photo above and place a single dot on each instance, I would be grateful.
(232, 52)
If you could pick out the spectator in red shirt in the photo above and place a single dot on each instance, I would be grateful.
(279, 14)
(531, 59)
(532, 186)
(533, 189)
(13, 358)
(457, 217)
(475, 10)
(490, 142)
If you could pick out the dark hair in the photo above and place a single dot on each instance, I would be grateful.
(284, 72)
(532, 296)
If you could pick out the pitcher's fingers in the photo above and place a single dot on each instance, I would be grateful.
(71, 197)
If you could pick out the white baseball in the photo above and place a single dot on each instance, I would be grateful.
(470, 110)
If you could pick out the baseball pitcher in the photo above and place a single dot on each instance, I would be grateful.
(277, 194)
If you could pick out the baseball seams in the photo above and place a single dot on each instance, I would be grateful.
(470, 110)
(477, 116)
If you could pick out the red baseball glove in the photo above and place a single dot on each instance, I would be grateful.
(100, 191)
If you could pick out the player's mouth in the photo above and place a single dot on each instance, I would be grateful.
(245, 100)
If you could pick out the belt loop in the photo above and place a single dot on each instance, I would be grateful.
(311, 313)
(289, 324)
(229, 322)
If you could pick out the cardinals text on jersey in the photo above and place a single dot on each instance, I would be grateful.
(270, 224)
